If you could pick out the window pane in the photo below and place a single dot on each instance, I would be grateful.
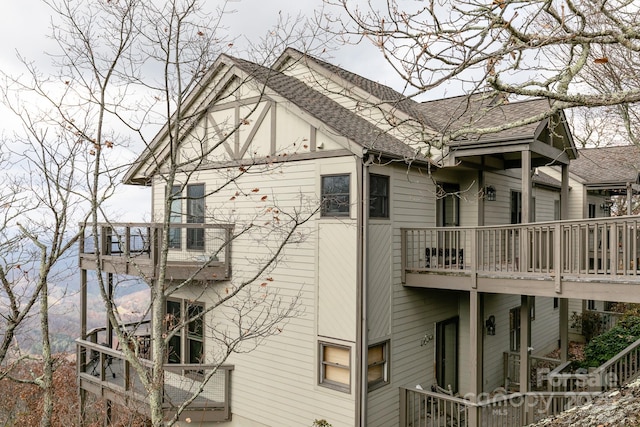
(376, 354)
(336, 355)
(195, 215)
(337, 374)
(375, 373)
(335, 195)
(175, 217)
(195, 351)
(378, 196)
(173, 349)
(448, 206)
(195, 326)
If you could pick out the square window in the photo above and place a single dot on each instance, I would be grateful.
(378, 196)
(335, 366)
(378, 365)
(335, 195)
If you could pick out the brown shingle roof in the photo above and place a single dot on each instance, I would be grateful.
(608, 165)
(480, 111)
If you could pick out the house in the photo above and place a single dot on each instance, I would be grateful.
(420, 265)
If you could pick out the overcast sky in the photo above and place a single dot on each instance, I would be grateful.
(25, 27)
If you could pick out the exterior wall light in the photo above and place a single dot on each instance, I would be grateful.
(490, 193)
(490, 325)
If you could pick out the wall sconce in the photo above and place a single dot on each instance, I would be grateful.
(606, 205)
(490, 193)
(490, 324)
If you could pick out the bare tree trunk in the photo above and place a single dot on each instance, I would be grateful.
(47, 360)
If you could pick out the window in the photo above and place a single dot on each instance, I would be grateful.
(378, 196)
(335, 367)
(175, 217)
(335, 195)
(187, 345)
(514, 329)
(591, 304)
(592, 210)
(195, 215)
(556, 303)
(448, 205)
(516, 207)
(378, 365)
(532, 308)
(557, 212)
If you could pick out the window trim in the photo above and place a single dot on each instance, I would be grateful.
(380, 382)
(447, 192)
(322, 380)
(385, 197)
(323, 207)
(175, 217)
(195, 236)
(183, 332)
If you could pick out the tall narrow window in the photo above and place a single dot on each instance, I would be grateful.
(448, 205)
(175, 217)
(378, 196)
(335, 195)
(514, 329)
(172, 320)
(195, 337)
(592, 210)
(195, 215)
(516, 207)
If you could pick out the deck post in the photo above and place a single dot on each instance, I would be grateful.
(403, 407)
(525, 333)
(475, 354)
(564, 329)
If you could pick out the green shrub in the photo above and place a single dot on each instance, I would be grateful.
(320, 423)
(605, 346)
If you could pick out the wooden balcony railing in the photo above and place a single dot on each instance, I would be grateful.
(620, 369)
(105, 372)
(134, 248)
(539, 369)
(422, 408)
(591, 247)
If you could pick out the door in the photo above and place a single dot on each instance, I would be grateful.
(447, 354)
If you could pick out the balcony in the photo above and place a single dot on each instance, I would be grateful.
(105, 372)
(198, 251)
(570, 259)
